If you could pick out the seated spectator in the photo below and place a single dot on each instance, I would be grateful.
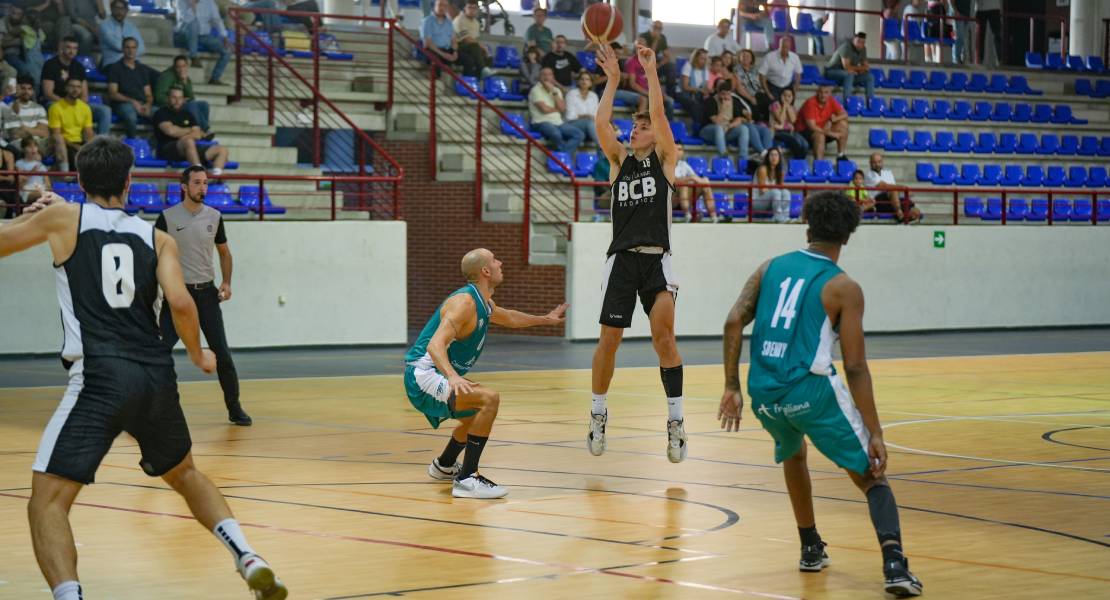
(858, 192)
(49, 16)
(71, 125)
(438, 34)
(473, 57)
(538, 34)
(23, 118)
(848, 66)
(178, 75)
(746, 81)
(530, 69)
(728, 63)
(176, 134)
(546, 106)
(724, 114)
(783, 118)
(780, 70)
(22, 44)
(664, 62)
(564, 64)
(716, 71)
(822, 120)
(637, 82)
(757, 13)
(888, 200)
(193, 31)
(32, 186)
(693, 87)
(623, 95)
(769, 195)
(720, 40)
(129, 89)
(685, 176)
(81, 23)
(63, 67)
(582, 106)
(113, 30)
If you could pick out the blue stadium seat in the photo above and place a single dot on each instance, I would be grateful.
(1075, 63)
(982, 112)
(1083, 87)
(173, 194)
(144, 155)
(1017, 209)
(1055, 177)
(1042, 113)
(587, 59)
(1095, 64)
(915, 81)
(219, 197)
(1050, 144)
(806, 25)
(957, 82)
(795, 206)
(969, 175)
(584, 163)
(720, 168)
(810, 74)
(854, 106)
(899, 140)
(1002, 112)
(993, 211)
(1069, 145)
(1088, 146)
(1077, 177)
(1063, 116)
(1096, 177)
(1103, 210)
(1054, 62)
(518, 120)
(926, 172)
(739, 207)
(741, 171)
(997, 84)
(1012, 176)
(965, 142)
(897, 108)
(145, 197)
(555, 158)
(1027, 143)
(499, 88)
(625, 127)
(249, 197)
(460, 89)
(937, 81)
(821, 173)
(698, 165)
(877, 138)
(1034, 176)
(1038, 210)
(874, 108)
(892, 30)
(1081, 210)
(1102, 88)
(1034, 60)
(894, 78)
(1020, 85)
(780, 21)
(940, 110)
(877, 76)
(682, 135)
(796, 171)
(915, 33)
(844, 171)
(973, 207)
(506, 57)
(919, 109)
(1104, 149)
(977, 84)
(1007, 144)
(961, 110)
(922, 142)
(1023, 113)
(946, 174)
(944, 141)
(91, 70)
(1061, 209)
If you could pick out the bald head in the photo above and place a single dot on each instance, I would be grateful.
(474, 262)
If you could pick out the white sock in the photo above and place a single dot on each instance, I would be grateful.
(598, 407)
(674, 409)
(228, 532)
(68, 590)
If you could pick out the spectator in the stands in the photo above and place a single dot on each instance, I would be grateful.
(936, 28)
(49, 16)
(562, 63)
(889, 200)
(783, 117)
(849, 67)
(720, 40)
(769, 195)
(623, 95)
(961, 55)
(473, 57)
(858, 192)
(693, 87)
(176, 134)
(438, 34)
(915, 7)
(780, 69)
(22, 43)
(32, 186)
(821, 120)
(663, 59)
(581, 106)
(546, 106)
(637, 82)
(746, 78)
(199, 27)
(724, 115)
(112, 32)
(530, 69)
(538, 34)
(757, 14)
(71, 125)
(63, 67)
(684, 177)
(129, 89)
(716, 72)
(24, 117)
(988, 14)
(82, 23)
(728, 63)
(178, 76)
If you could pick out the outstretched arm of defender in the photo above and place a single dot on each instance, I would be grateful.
(515, 319)
(33, 228)
(613, 149)
(664, 139)
(182, 308)
(456, 321)
(742, 313)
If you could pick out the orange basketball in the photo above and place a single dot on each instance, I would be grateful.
(602, 23)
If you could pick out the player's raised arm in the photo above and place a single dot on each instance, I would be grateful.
(35, 227)
(742, 313)
(664, 139)
(456, 321)
(515, 319)
(181, 305)
(610, 145)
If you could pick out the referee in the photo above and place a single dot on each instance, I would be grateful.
(196, 228)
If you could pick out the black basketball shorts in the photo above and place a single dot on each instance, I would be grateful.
(628, 274)
(108, 395)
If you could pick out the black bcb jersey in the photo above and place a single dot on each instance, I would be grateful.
(641, 205)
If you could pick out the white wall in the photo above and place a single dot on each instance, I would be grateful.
(342, 283)
(986, 276)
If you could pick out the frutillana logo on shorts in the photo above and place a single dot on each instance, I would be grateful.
(786, 410)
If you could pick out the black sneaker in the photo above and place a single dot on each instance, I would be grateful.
(899, 580)
(238, 416)
(814, 558)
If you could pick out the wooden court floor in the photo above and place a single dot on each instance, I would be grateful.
(1001, 465)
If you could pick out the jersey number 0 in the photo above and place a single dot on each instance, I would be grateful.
(117, 274)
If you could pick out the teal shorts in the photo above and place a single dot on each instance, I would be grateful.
(430, 394)
(822, 408)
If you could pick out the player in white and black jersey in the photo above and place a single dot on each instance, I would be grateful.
(112, 271)
(638, 262)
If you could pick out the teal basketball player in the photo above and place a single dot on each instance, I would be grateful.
(445, 351)
(802, 302)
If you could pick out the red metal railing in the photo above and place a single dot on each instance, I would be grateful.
(533, 207)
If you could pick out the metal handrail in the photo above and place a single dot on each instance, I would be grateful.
(877, 13)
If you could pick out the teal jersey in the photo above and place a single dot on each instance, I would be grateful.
(792, 336)
(462, 353)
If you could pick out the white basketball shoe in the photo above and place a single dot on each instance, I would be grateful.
(479, 487)
(595, 439)
(676, 441)
(260, 578)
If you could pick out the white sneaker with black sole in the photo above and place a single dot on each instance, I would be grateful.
(439, 473)
(478, 487)
(595, 439)
(676, 441)
(260, 578)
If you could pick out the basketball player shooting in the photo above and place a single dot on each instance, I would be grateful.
(638, 262)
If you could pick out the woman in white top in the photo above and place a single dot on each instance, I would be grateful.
(769, 197)
(693, 88)
(582, 106)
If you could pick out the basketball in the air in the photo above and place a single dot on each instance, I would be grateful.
(602, 23)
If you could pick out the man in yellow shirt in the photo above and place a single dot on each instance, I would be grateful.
(71, 124)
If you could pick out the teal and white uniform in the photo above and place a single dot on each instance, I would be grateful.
(426, 387)
(792, 382)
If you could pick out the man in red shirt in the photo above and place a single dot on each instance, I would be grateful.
(821, 120)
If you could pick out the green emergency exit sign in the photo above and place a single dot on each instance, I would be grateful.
(938, 239)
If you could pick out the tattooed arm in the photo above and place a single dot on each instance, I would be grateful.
(742, 313)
